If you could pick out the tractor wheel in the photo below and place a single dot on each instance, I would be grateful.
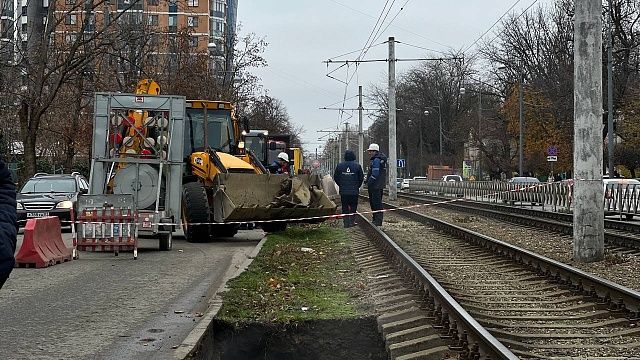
(195, 212)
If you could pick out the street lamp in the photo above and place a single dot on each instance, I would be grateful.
(426, 112)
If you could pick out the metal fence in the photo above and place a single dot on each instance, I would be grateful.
(623, 199)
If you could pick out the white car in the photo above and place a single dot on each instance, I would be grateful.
(456, 178)
(405, 184)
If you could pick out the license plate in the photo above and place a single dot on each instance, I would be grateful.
(37, 214)
(146, 224)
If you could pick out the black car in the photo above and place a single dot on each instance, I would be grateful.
(50, 195)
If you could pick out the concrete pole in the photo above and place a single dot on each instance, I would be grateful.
(420, 166)
(521, 110)
(440, 122)
(346, 133)
(588, 212)
(610, 134)
(393, 171)
(360, 132)
(479, 136)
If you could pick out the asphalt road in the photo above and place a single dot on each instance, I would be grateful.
(106, 307)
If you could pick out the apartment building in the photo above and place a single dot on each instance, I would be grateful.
(211, 24)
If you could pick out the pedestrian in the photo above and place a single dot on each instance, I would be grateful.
(280, 165)
(349, 177)
(8, 223)
(376, 180)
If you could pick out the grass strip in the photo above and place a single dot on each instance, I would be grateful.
(306, 272)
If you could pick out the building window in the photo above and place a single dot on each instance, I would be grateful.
(152, 2)
(192, 21)
(192, 3)
(24, 28)
(70, 2)
(24, 11)
(71, 19)
(193, 41)
(70, 38)
(152, 20)
(173, 23)
(219, 6)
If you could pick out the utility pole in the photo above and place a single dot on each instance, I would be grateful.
(521, 109)
(588, 212)
(346, 139)
(479, 136)
(610, 134)
(360, 132)
(393, 172)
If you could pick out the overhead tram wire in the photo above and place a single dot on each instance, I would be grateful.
(517, 18)
(390, 22)
(395, 26)
(492, 26)
(422, 47)
(362, 53)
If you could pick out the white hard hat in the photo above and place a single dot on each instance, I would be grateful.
(283, 156)
(373, 147)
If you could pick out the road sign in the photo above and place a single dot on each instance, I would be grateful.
(402, 163)
(552, 158)
(315, 164)
(552, 151)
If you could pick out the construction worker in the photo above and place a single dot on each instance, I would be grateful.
(376, 180)
(8, 223)
(280, 165)
(349, 176)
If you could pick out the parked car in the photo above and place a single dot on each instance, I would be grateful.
(524, 180)
(456, 178)
(405, 184)
(50, 195)
(419, 178)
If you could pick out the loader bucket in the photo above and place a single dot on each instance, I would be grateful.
(256, 197)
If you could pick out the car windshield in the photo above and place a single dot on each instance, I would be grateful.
(49, 186)
(257, 145)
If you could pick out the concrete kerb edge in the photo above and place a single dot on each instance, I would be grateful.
(192, 341)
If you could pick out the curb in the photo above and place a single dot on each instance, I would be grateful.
(193, 341)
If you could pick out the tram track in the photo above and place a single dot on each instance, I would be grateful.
(620, 236)
(536, 306)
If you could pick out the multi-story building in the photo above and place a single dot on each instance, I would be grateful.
(210, 24)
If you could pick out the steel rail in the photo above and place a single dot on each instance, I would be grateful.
(465, 333)
(616, 297)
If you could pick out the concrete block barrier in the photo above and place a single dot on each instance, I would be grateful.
(42, 245)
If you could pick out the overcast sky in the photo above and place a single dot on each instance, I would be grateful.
(303, 33)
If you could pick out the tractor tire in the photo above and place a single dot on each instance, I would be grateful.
(274, 226)
(224, 231)
(195, 210)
